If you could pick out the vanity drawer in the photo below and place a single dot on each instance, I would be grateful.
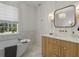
(53, 41)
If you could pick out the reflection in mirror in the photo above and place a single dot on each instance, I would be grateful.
(65, 17)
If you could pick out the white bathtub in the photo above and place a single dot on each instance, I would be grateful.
(21, 47)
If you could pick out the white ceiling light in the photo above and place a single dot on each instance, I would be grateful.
(77, 11)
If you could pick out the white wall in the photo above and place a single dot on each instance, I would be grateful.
(27, 17)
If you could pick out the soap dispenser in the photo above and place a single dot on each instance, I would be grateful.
(78, 29)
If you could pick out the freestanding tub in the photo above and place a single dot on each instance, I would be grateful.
(21, 47)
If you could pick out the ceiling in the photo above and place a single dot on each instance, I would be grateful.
(38, 3)
(31, 3)
(34, 3)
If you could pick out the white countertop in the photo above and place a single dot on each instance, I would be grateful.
(71, 38)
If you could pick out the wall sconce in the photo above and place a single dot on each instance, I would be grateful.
(77, 7)
(77, 12)
(51, 16)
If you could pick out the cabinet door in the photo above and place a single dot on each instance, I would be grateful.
(44, 46)
(69, 49)
(54, 47)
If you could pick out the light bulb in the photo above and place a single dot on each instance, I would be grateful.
(77, 7)
(77, 11)
(51, 16)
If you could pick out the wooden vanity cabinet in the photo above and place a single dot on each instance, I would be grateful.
(53, 47)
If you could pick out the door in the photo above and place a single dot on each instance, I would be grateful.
(44, 46)
(77, 50)
(69, 49)
(54, 48)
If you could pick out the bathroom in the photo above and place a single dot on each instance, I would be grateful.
(34, 28)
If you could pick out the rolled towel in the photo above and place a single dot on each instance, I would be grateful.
(25, 40)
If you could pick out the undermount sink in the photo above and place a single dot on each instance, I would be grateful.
(60, 35)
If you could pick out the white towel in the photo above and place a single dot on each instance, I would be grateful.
(25, 40)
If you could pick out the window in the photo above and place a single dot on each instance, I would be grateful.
(8, 27)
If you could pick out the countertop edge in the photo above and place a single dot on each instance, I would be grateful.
(70, 39)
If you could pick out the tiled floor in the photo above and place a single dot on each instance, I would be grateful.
(33, 52)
